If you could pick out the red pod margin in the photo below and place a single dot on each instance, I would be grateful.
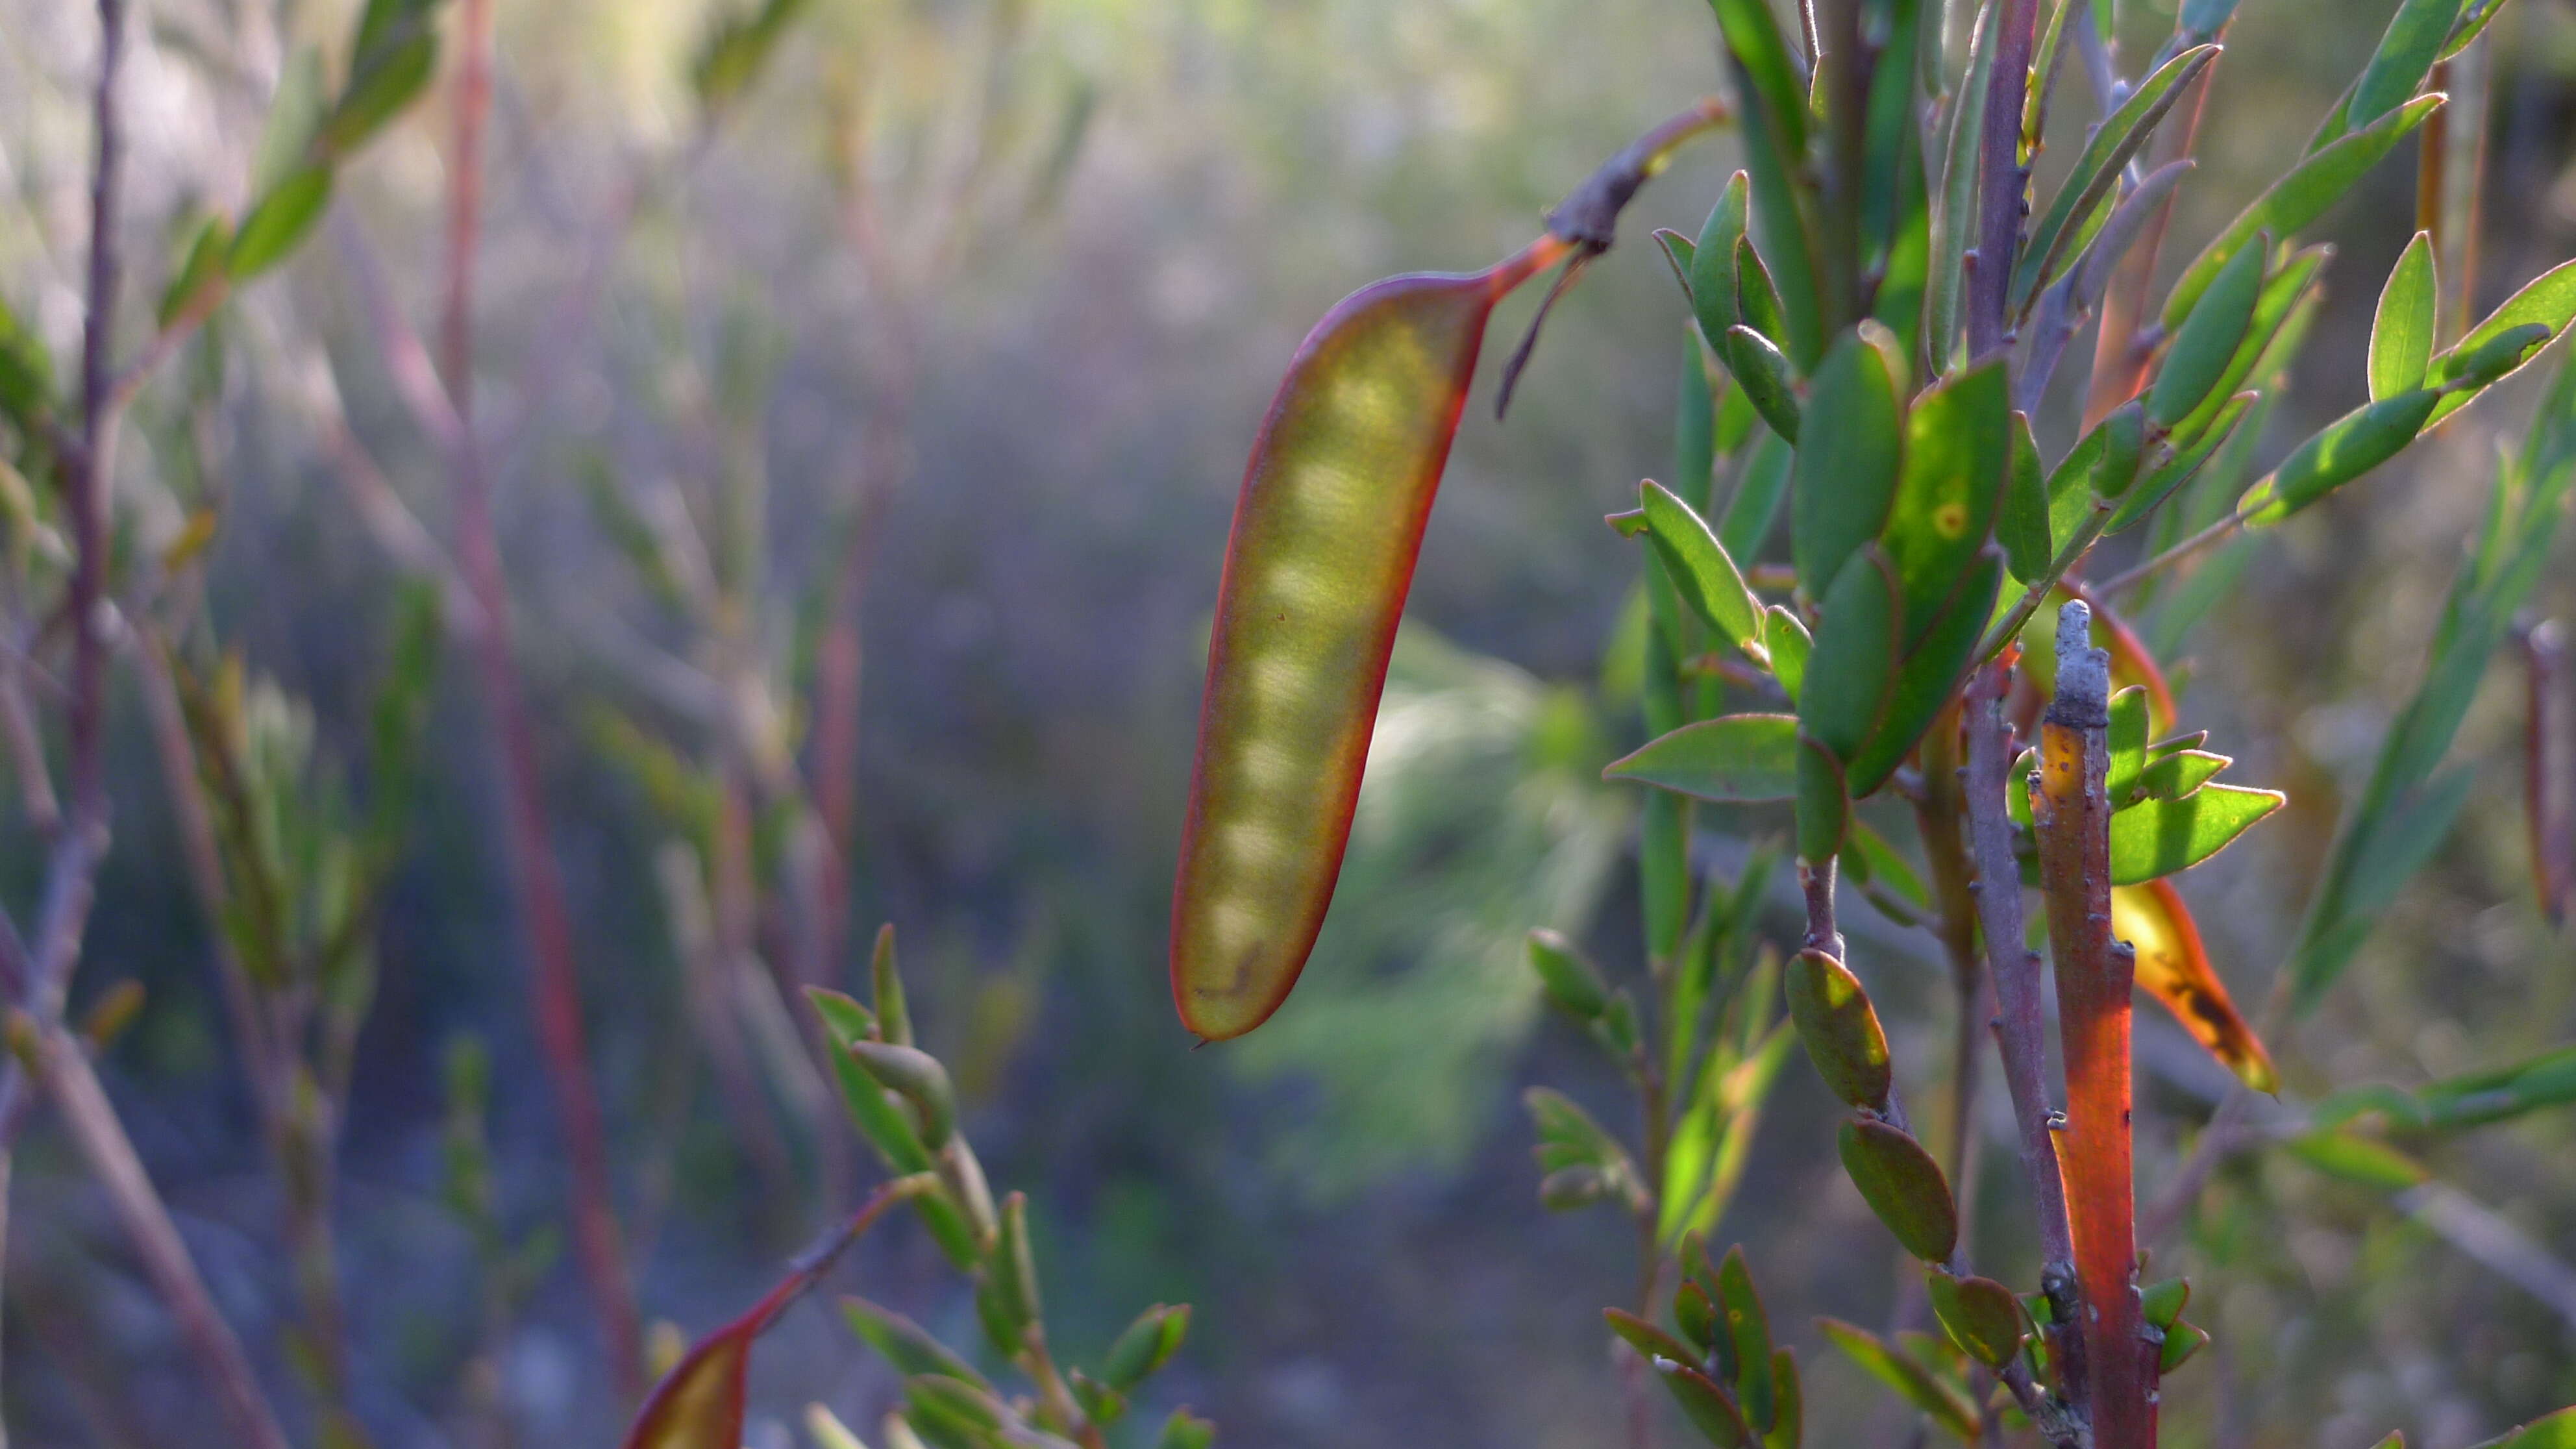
(1326, 531)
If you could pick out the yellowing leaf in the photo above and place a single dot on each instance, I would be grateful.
(2173, 967)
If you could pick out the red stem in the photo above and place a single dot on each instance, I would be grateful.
(544, 915)
(2071, 815)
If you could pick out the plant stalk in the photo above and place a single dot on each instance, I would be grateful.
(2003, 183)
(2071, 816)
(544, 915)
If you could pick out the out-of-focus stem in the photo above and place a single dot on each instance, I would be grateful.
(109, 1153)
(2549, 757)
(544, 915)
(2071, 816)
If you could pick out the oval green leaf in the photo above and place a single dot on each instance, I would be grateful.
(1903, 1185)
(1840, 1029)
(1735, 759)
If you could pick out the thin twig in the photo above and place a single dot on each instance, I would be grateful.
(2216, 533)
(2002, 181)
(544, 914)
(91, 1119)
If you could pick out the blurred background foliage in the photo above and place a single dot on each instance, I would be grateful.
(1007, 285)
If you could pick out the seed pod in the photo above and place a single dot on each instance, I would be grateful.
(1325, 534)
(1903, 1185)
(1840, 1029)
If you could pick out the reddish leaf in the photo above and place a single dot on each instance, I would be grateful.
(2174, 969)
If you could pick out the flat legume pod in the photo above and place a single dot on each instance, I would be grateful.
(1325, 535)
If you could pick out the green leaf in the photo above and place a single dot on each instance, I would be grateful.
(1763, 373)
(1824, 807)
(2162, 1303)
(2156, 838)
(380, 92)
(1981, 1316)
(2209, 337)
(1790, 646)
(2087, 190)
(2415, 36)
(1903, 1185)
(2471, 368)
(1853, 669)
(1949, 1407)
(2270, 340)
(844, 1018)
(1704, 1404)
(1571, 981)
(1839, 1028)
(2359, 1160)
(1929, 676)
(1697, 563)
(1753, 39)
(885, 978)
(2401, 332)
(1680, 255)
(278, 222)
(2022, 525)
(1712, 263)
(1648, 1340)
(1145, 1346)
(918, 1078)
(1185, 1430)
(1748, 1331)
(1757, 300)
(2473, 23)
(2480, 1098)
(1764, 481)
(1567, 1135)
(906, 1345)
(294, 115)
(2181, 1342)
(2127, 739)
(203, 267)
(2169, 476)
(2171, 777)
(1958, 443)
(1844, 481)
(2343, 450)
(2297, 199)
(1736, 759)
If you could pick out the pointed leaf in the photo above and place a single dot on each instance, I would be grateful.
(2088, 186)
(1704, 1404)
(2343, 450)
(2209, 337)
(1958, 443)
(1763, 373)
(2401, 332)
(1844, 482)
(1952, 1409)
(2159, 837)
(2296, 200)
(1853, 668)
(1903, 1185)
(1697, 563)
(1738, 758)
